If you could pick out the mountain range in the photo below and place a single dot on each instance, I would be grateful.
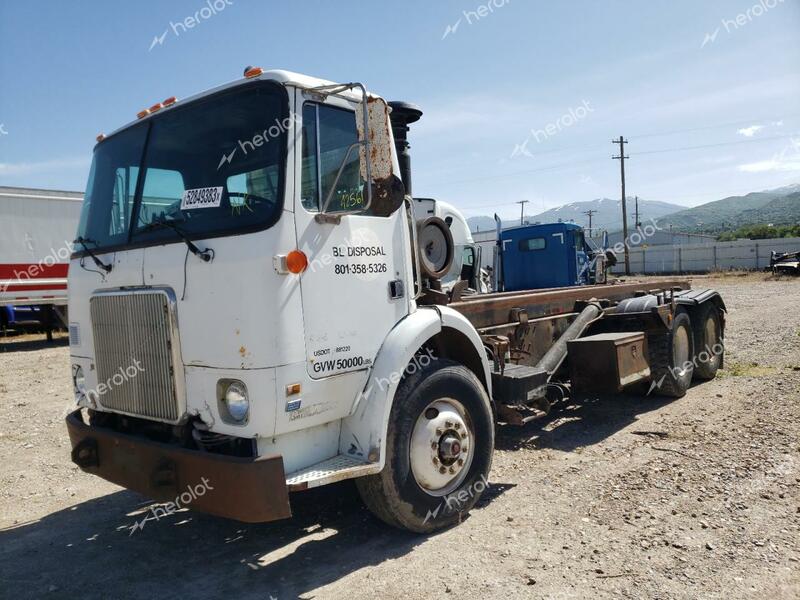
(779, 206)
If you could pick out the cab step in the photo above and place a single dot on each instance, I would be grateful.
(337, 468)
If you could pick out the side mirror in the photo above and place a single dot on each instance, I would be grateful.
(386, 191)
(383, 190)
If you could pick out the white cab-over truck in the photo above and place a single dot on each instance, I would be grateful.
(256, 303)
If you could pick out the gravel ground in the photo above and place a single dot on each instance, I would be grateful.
(622, 497)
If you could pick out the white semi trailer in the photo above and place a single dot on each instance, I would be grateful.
(256, 306)
(35, 247)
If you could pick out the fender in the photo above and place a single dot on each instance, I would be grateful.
(697, 297)
(453, 319)
(684, 298)
(363, 433)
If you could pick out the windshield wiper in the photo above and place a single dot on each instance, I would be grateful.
(83, 242)
(206, 255)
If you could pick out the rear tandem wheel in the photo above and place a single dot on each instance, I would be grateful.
(672, 357)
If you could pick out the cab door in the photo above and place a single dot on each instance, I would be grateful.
(354, 289)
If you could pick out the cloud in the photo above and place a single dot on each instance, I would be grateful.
(765, 166)
(787, 159)
(750, 131)
(22, 168)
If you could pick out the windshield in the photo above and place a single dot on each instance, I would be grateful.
(213, 167)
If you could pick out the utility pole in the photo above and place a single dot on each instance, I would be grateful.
(622, 141)
(522, 204)
(590, 213)
(637, 222)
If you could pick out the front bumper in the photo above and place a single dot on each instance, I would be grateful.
(252, 490)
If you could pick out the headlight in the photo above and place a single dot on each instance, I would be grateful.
(78, 381)
(236, 401)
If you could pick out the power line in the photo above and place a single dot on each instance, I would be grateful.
(593, 160)
(747, 141)
(706, 128)
(525, 172)
(663, 134)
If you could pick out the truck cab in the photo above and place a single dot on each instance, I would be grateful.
(546, 256)
(198, 219)
(467, 254)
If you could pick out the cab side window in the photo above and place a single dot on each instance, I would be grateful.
(122, 200)
(327, 134)
(579, 243)
(532, 244)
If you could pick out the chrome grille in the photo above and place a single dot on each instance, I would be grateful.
(134, 354)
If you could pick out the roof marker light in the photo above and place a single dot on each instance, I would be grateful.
(253, 72)
(170, 100)
(155, 107)
(142, 113)
(101, 137)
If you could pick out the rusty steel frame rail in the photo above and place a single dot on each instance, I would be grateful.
(491, 310)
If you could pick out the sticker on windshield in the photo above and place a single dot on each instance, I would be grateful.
(209, 197)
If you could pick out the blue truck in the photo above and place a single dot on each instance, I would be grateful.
(547, 255)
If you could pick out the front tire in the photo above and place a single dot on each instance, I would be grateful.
(438, 450)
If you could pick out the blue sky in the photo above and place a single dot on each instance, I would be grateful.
(521, 99)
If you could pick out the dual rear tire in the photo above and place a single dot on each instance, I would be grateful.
(691, 349)
(710, 345)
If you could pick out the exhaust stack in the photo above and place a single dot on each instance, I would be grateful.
(402, 115)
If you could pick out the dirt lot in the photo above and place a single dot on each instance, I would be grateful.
(622, 497)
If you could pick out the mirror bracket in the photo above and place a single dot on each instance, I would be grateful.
(329, 218)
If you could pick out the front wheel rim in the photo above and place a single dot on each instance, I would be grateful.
(442, 447)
